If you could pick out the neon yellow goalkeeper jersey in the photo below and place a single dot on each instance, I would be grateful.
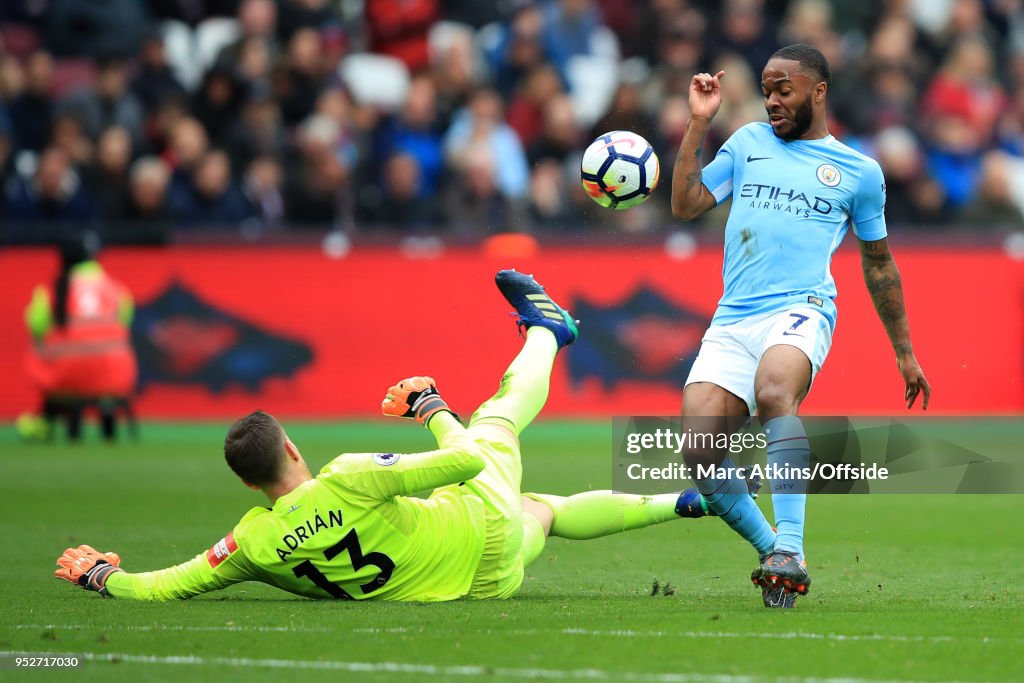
(350, 533)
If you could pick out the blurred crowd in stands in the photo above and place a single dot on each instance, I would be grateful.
(143, 118)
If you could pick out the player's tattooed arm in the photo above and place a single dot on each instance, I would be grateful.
(690, 198)
(886, 289)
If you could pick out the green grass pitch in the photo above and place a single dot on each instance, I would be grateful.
(906, 588)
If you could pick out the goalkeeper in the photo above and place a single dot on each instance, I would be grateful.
(353, 533)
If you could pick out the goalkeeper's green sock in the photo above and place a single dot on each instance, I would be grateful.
(524, 386)
(601, 513)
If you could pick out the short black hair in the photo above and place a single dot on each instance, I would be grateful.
(254, 448)
(810, 58)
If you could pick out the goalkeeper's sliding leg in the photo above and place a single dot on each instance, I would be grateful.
(592, 514)
(524, 386)
(497, 423)
(519, 524)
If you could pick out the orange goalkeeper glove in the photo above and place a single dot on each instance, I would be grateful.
(414, 397)
(88, 568)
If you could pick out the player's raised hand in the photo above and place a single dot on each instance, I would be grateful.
(706, 94)
(916, 384)
(88, 567)
(414, 397)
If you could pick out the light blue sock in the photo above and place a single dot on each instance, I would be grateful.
(731, 501)
(788, 447)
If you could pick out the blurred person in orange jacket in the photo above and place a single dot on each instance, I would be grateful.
(81, 343)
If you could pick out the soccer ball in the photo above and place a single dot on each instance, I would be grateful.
(620, 169)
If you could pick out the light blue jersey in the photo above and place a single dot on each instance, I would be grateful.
(792, 203)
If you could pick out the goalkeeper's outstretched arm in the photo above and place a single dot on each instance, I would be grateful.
(101, 572)
(174, 583)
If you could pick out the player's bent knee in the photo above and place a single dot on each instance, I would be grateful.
(774, 399)
(495, 429)
(705, 399)
(540, 511)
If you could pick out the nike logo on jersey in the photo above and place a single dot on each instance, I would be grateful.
(787, 333)
(753, 158)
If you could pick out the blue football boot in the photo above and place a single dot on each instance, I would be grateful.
(535, 307)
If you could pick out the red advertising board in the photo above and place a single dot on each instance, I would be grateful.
(221, 331)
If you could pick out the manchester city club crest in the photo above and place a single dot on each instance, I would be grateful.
(829, 175)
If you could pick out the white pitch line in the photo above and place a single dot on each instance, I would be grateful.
(446, 671)
(792, 635)
(163, 627)
(623, 633)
